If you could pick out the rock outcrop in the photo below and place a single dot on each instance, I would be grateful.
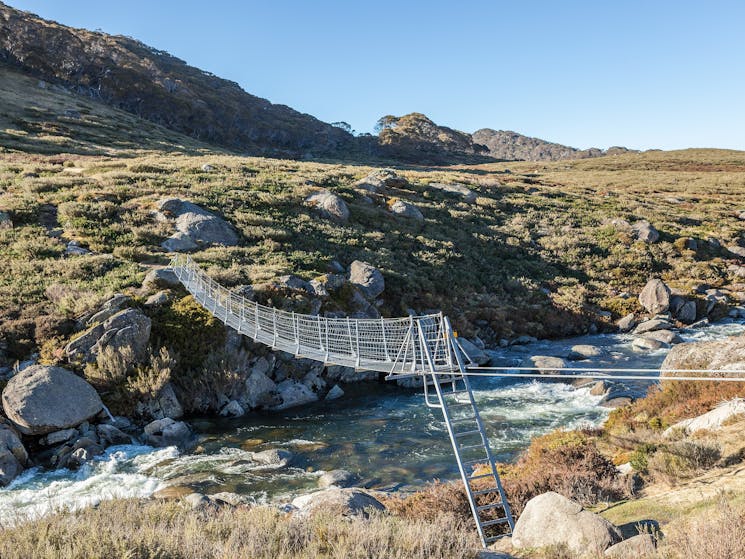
(551, 519)
(128, 330)
(195, 227)
(42, 399)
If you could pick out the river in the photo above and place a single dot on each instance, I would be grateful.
(380, 432)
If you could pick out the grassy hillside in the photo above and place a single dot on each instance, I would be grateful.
(532, 254)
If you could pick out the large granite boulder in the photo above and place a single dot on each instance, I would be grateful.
(723, 355)
(13, 455)
(366, 278)
(350, 502)
(655, 297)
(128, 328)
(42, 399)
(329, 205)
(551, 519)
(293, 393)
(195, 226)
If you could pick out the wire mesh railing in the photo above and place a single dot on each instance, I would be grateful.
(391, 345)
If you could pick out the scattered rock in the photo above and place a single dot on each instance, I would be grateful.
(206, 168)
(195, 226)
(337, 478)
(232, 499)
(367, 278)
(13, 455)
(73, 248)
(644, 231)
(599, 388)
(159, 299)
(110, 308)
(581, 352)
(655, 297)
(636, 547)
(626, 323)
(737, 250)
(58, 437)
(160, 278)
(127, 329)
(294, 283)
(687, 312)
(329, 205)
(166, 432)
(455, 189)
(550, 519)
(276, 458)
(197, 501)
(665, 336)
(377, 181)
(43, 399)
(646, 344)
(406, 209)
(350, 501)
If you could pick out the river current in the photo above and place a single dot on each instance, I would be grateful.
(382, 433)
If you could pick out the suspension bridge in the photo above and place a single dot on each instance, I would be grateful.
(421, 346)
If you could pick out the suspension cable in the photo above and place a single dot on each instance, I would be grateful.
(602, 373)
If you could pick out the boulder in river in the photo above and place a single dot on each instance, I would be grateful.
(580, 352)
(651, 325)
(714, 355)
(545, 364)
(626, 323)
(166, 432)
(655, 297)
(274, 457)
(553, 520)
(42, 399)
(337, 478)
(13, 455)
(474, 353)
(350, 501)
(293, 393)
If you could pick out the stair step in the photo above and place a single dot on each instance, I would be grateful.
(461, 419)
(480, 476)
(493, 522)
(475, 462)
(466, 433)
(471, 447)
(491, 506)
(485, 491)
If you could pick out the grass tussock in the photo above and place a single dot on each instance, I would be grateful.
(169, 530)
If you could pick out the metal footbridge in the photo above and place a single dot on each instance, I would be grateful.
(422, 346)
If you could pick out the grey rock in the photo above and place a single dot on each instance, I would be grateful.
(379, 180)
(337, 478)
(164, 404)
(406, 209)
(655, 297)
(73, 248)
(166, 432)
(110, 435)
(737, 250)
(110, 308)
(545, 364)
(232, 409)
(161, 278)
(348, 374)
(128, 328)
(329, 205)
(206, 168)
(276, 458)
(197, 501)
(335, 393)
(641, 546)
(58, 437)
(715, 355)
(294, 283)
(43, 399)
(626, 323)
(687, 312)
(550, 519)
(651, 325)
(368, 279)
(455, 189)
(293, 394)
(13, 455)
(195, 226)
(475, 354)
(646, 344)
(664, 336)
(580, 352)
(644, 231)
(350, 501)
(261, 391)
(158, 299)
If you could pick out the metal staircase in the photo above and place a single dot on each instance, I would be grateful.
(454, 397)
(421, 346)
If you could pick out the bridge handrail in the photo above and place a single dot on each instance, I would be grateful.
(389, 345)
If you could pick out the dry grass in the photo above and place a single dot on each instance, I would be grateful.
(168, 530)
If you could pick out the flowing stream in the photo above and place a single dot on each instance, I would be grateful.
(380, 432)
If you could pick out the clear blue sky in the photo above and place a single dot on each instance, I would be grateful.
(664, 74)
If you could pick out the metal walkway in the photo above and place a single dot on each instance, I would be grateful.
(423, 346)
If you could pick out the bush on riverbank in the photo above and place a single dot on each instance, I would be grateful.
(170, 530)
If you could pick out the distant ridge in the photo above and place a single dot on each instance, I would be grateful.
(511, 146)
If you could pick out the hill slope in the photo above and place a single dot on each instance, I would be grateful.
(126, 74)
